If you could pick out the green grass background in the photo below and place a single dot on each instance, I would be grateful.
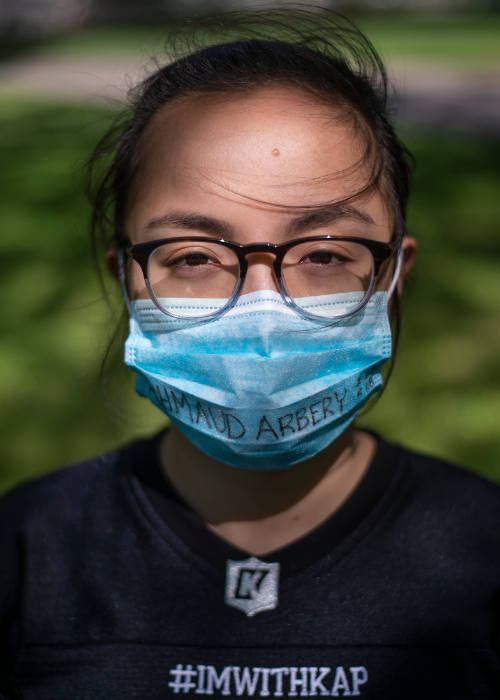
(444, 396)
(469, 40)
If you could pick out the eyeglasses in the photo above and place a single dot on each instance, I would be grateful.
(213, 271)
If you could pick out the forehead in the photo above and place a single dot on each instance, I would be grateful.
(278, 145)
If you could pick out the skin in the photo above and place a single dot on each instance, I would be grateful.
(255, 162)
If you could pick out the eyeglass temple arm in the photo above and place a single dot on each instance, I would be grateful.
(397, 272)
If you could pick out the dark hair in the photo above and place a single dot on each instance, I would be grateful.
(318, 51)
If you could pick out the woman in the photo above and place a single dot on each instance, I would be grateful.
(254, 215)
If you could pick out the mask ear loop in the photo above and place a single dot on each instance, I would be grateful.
(397, 271)
(123, 281)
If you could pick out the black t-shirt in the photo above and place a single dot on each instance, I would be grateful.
(110, 587)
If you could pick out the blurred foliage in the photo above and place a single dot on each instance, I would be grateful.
(444, 396)
(56, 324)
(469, 40)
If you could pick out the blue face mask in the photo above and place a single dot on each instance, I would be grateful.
(260, 387)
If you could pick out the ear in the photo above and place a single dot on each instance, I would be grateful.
(112, 263)
(409, 248)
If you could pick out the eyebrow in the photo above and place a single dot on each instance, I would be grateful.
(328, 215)
(191, 221)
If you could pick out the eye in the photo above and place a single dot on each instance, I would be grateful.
(190, 260)
(174, 257)
(322, 257)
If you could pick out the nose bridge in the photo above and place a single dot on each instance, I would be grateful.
(252, 248)
(260, 271)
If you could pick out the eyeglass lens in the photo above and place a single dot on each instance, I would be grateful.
(209, 271)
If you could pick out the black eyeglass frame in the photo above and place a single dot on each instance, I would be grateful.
(379, 250)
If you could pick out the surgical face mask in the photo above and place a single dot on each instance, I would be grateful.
(260, 387)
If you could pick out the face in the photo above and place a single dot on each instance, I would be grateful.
(252, 168)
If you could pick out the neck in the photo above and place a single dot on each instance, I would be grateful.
(263, 511)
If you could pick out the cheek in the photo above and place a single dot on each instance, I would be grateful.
(136, 286)
(385, 276)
